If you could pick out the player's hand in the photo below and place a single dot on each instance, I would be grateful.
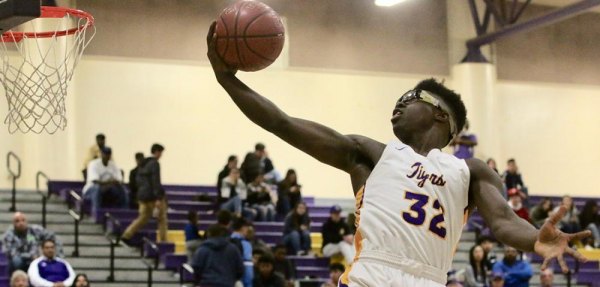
(553, 243)
(217, 63)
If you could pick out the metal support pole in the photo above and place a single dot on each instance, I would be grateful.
(13, 205)
(44, 199)
(149, 276)
(111, 276)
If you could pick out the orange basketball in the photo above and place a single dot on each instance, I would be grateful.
(250, 35)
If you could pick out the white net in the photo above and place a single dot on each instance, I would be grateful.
(36, 70)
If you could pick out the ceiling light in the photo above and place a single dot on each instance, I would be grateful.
(387, 3)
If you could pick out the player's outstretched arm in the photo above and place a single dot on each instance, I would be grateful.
(549, 242)
(323, 143)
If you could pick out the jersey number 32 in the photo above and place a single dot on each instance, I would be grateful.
(417, 213)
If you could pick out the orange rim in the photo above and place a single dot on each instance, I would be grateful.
(52, 12)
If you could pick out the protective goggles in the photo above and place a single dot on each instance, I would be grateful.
(424, 96)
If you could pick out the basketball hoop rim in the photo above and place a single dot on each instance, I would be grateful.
(52, 12)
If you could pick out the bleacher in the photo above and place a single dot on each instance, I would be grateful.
(171, 254)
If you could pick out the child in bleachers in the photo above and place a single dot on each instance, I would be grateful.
(192, 236)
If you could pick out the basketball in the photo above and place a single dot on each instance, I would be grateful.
(250, 35)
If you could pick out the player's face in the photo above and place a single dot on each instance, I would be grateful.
(411, 116)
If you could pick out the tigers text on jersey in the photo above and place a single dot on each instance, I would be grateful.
(411, 212)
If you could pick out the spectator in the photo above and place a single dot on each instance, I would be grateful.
(475, 272)
(232, 162)
(93, 153)
(335, 272)
(259, 198)
(570, 222)
(590, 220)
(256, 242)
(511, 177)
(217, 262)
(337, 237)
(139, 159)
(104, 187)
(541, 212)
(234, 192)
(49, 270)
(517, 272)
(497, 279)
(256, 254)
(81, 280)
(251, 166)
(296, 232)
(239, 239)
(288, 193)
(22, 242)
(150, 195)
(492, 164)
(464, 144)
(267, 277)
(19, 279)
(192, 237)
(488, 244)
(224, 219)
(284, 265)
(515, 202)
(547, 277)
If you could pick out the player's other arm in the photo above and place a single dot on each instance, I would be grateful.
(321, 142)
(485, 194)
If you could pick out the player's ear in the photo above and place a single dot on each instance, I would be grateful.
(441, 116)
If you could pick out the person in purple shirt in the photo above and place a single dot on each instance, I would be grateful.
(517, 273)
(49, 270)
(464, 144)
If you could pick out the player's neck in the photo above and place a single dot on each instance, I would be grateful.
(422, 143)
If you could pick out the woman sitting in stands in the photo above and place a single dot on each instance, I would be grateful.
(296, 232)
(288, 193)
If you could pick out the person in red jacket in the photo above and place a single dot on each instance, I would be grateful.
(515, 201)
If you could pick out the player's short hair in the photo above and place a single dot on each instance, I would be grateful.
(337, 267)
(156, 147)
(451, 98)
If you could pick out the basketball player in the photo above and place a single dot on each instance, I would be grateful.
(412, 199)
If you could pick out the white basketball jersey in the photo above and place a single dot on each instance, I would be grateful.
(412, 210)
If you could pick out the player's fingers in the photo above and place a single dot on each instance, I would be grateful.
(557, 216)
(211, 32)
(545, 263)
(576, 254)
(580, 235)
(563, 264)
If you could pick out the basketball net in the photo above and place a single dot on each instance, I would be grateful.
(36, 68)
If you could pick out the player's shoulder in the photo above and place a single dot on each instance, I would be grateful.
(368, 147)
(479, 169)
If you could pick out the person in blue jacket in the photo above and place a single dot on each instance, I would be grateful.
(516, 272)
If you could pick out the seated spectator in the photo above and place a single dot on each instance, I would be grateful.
(337, 237)
(476, 271)
(497, 279)
(589, 219)
(284, 265)
(81, 280)
(570, 222)
(547, 277)
(515, 201)
(21, 242)
(488, 244)
(517, 272)
(259, 198)
(296, 231)
(288, 193)
(491, 163)
(512, 177)
(239, 239)
(253, 163)
(256, 254)
(335, 272)
(93, 153)
(19, 279)
(103, 187)
(49, 270)
(256, 242)
(133, 187)
(464, 144)
(192, 236)
(541, 212)
(217, 262)
(267, 277)
(232, 162)
(234, 192)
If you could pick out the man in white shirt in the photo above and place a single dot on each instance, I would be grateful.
(49, 270)
(104, 183)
